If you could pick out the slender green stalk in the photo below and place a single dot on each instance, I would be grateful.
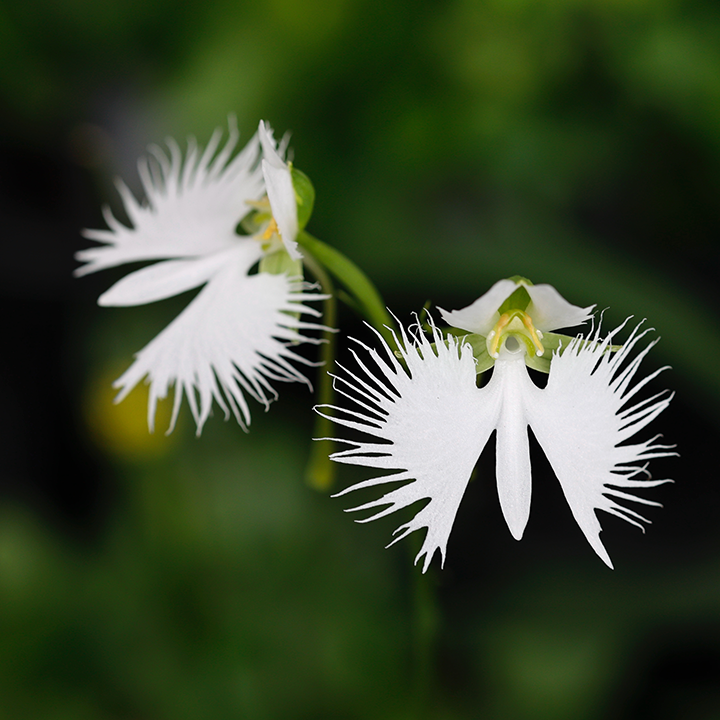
(320, 470)
(425, 619)
(358, 284)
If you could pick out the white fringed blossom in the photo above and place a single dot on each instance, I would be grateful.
(237, 334)
(431, 421)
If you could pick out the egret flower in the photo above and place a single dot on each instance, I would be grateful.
(239, 331)
(431, 421)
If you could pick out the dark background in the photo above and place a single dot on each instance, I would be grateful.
(575, 142)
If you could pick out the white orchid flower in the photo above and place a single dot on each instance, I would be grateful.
(432, 422)
(237, 334)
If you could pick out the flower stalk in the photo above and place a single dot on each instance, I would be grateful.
(320, 470)
(367, 299)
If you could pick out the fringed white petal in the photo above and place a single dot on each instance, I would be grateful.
(280, 191)
(481, 316)
(432, 423)
(549, 310)
(582, 424)
(230, 341)
(192, 207)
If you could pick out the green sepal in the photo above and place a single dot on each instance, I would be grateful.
(541, 363)
(304, 196)
(552, 342)
(518, 300)
(519, 279)
(555, 342)
(280, 263)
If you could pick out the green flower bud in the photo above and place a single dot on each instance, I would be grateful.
(304, 195)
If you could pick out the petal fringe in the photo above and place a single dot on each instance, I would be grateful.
(234, 337)
(582, 424)
(432, 424)
(191, 208)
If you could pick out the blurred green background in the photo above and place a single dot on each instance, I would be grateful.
(575, 142)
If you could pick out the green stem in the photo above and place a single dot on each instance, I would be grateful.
(320, 470)
(355, 281)
(424, 629)
(425, 613)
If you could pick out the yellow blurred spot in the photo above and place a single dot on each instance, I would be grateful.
(122, 430)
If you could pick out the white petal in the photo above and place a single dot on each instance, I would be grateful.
(172, 277)
(192, 208)
(280, 191)
(580, 423)
(481, 316)
(510, 377)
(550, 311)
(233, 338)
(432, 423)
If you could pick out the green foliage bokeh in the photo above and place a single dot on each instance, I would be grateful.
(576, 142)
